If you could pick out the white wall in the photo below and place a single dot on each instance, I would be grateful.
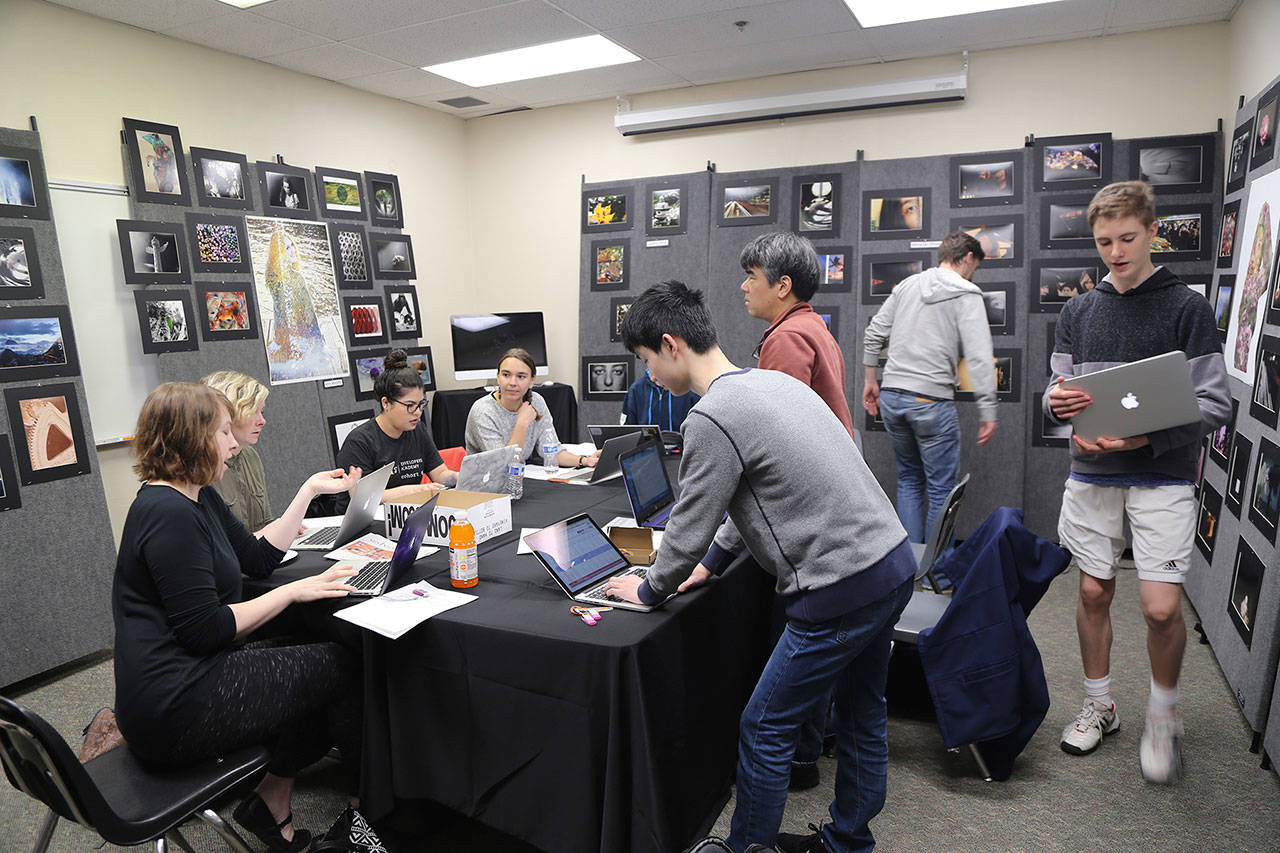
(1252, 59)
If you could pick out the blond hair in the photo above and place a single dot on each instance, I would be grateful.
(1123, 199)
(245, 393)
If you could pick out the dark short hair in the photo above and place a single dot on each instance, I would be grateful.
(520, 354)
(396, 376)
(669, 308)
(956, 245)
(174, 437)
(783, 253)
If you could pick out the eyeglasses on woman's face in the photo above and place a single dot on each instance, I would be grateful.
(412, 406)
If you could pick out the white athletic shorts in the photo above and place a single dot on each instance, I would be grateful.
(1162, 520)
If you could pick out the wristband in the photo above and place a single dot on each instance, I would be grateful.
(581, 461)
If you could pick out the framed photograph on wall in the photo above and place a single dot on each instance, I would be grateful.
(881, 273)
(830, 315)
(1207, 519)
(10, 495)
(20, 276)
(222, 179)
(219, 244)
(1238, 157)
(37, 343)
(1044, 432)
(618, 308)
(607, 377)
(365, 325)
(665, 208)
(1175, 164)
(1079, 162)
(611, 264)
(1220, 439)
(607, 209)
(1265, 402)
(999, 234)
(835, 269)
(352, 263)
(1000, 298)
(393, 256)
(26, 189)
(1008, 365)
(166, 320)
(157, 166)
(1054, 281)
(286, 191)
(227, 312)
(48, 433)
(1182, 233)
(816, 205)
(339, 193)
(386, 205)
(1263, 146)
(404, 317)
(985, 180)
(1264, 504)
(748, 201)
(366, 364)
(1222, 303)
(873, 423)
(1064, 223)
(1246, 583)
(1227, 235)
(341, 426)
(1238, 472)
(1197, 284)
(1273, 300)
(153, 252)
(899, 214)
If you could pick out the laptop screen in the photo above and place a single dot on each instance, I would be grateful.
(577, 551)
(412, 533)
(646, 480)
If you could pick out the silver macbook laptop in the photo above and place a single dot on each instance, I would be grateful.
(359, 515)
(600, 433)
(485, 471)
(582, 559)
(607, 467)
(377, 576)
(1137, 398)
(648, 486)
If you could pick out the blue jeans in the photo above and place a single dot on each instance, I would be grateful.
(851, 653)
(926, 445)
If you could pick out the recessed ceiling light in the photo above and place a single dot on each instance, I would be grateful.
(878, 13)
(244, 4)
(542, 60)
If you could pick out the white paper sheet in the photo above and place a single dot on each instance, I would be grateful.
(372, 546)
(522, 548)
(394, 613)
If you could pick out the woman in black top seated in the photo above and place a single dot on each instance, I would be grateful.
(186, 689)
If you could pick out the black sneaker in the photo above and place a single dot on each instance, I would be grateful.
(804, 775)
(794, 843)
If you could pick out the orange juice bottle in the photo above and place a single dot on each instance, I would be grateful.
(463, 572)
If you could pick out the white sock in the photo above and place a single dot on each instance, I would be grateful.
(1099, 690)
(1163, 701)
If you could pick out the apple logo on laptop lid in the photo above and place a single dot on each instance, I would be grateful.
(1130, 401)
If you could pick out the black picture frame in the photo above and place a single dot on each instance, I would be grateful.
(830, 314)
(1264, 497)
(1264, 398)
(659, 220)
(1220, 439)
(986, 180)
(152, 317)
(217, 183)
(22, 172)
(208, 233)
(165, 242)
(618, 307)
(1045, 433)
(392, 256)
(1175, 164)
(216, 306)
(155, 181)
(610, 265)
(1008, 363)
(340, 427)
(10, 493)
(1064, 222)
(1237, 472)
(1272, 296)
(1077, 162)
(1000, 234)
(420, 358)
(835, 269)
(1001, 301)
(1228, 233)
(386, 204)
(277, 196)
(1198, 284)
(608, 209)
(873, 423)
(1262, 146)
(1222, 303)
(1208, 515)
(342, 183)
(813, 214)
(883, 272)
(899, 223)
(363, 316)
(1052, 279)
(365, 365)
(1238, 157)
(606, 378)
(404, 318)
(352, 260)
(748, 201)
(48, 348)
(20, 275)
(1246, 583)
(1181, 248)
(54, 426)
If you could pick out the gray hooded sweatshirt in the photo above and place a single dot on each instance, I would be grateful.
(931, 320)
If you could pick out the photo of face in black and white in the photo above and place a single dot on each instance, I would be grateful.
(607, 377)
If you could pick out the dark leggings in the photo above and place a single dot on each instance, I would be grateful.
(297, 700)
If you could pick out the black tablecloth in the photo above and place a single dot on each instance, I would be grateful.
(449, 410)
(511, 710)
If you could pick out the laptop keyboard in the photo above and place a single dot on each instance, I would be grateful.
(597, 592)
(371, 576)
(323, 536)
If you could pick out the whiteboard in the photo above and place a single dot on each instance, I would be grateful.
(117, 375)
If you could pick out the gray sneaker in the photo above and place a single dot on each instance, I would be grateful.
(1085, 732)
(1160, 751)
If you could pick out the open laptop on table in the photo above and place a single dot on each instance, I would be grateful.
(1136, 398)
(607, 467)
(378, 576)
(582, 559)
(359, 515)
(485, 471)
(648, 486)
(600, 433)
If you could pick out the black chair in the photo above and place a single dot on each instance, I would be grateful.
(113, 794)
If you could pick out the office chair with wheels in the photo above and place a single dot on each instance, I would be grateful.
(113, 794)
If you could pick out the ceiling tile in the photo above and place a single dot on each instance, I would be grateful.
(494, 102)
(489, 31)
(408, 83)
(1152, 14)
(341, 20)
(612, 14)
(333, 61)
(154, 15)
(784, 57)
(245, 34)
(598, 82)
(767, 24)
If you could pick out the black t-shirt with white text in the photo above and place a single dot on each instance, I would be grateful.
(368, 447)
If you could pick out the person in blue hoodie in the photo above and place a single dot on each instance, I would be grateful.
(649, 403)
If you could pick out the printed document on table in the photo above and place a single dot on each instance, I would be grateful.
(373, 546)
(393, 614)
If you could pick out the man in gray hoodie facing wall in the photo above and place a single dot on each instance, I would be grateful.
(930, 321)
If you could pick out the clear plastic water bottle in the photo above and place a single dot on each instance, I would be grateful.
(514, 483)
(549, 452)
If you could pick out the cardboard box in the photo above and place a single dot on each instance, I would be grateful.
(489, 514)
(636, 543)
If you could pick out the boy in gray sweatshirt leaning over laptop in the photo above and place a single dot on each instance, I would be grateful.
(765, 448)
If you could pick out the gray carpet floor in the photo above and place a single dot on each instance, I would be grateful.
(936, 802)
